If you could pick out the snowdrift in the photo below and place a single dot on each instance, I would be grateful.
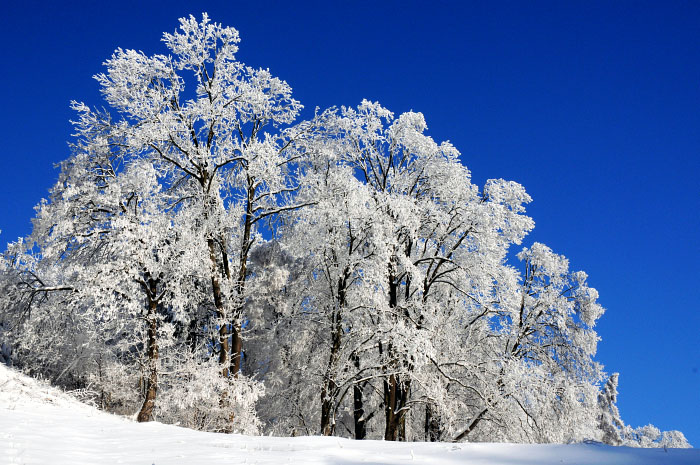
(41, 425)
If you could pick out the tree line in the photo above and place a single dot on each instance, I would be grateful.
(207, 259)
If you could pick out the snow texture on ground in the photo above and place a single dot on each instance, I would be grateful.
(41, 425)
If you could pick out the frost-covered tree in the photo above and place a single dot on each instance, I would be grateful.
(218, 170)
(210, 145)
(610, 422)
(615, 432)
(337, 286)
(126, 286)
(533, 377)
(205, 260)
(400, 231)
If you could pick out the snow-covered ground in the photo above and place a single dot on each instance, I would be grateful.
(41, 425)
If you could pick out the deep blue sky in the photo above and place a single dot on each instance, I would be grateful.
(593, 107)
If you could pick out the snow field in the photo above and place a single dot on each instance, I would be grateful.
(41, 425)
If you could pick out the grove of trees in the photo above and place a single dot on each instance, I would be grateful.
(207, 259)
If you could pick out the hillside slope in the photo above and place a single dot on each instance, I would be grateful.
(40, 425)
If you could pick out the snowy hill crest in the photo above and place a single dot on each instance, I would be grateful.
(40, 424)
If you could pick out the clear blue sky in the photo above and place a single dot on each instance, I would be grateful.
(593, 107)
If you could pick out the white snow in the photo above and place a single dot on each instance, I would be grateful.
(41, 425)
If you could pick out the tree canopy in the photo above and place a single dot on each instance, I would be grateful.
(206, 258)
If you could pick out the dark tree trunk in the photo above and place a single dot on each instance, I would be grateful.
(246, 244)
(395, 390)
(358, 405)
(390, 430)
(433, 429)
(329, 391)
(220, 309)
(395, 398)
(146, 412)
(192, 335)
(220, 299)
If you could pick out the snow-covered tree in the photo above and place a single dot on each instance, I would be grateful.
(615, 432)
(216, 171)
(610, 422)
(201, 249)
(400, 229)
(211, 147)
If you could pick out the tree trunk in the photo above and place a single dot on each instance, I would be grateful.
(327, 407)
(403, 389)
(146, 412)
(246, 244)
(221, 313)
(358, 405)
(395, 391)
(220, 300)
(433, 429)
(192, 335)
(329, 391)
(395, 397)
